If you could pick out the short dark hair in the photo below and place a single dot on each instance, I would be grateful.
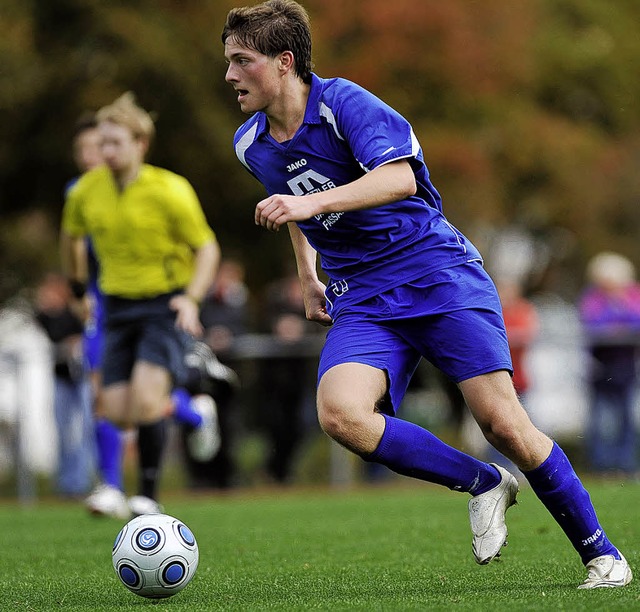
(86, 121)
(271, 28)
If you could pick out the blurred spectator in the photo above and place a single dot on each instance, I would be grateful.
(72, 393)
(224, 311)
(287, 381)
(28, 433)
(610, 312)
(521, 321)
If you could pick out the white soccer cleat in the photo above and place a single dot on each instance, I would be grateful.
(140, 504)
(204, 441)
(202, 358)
(607, 571)
(107, 500)
(486, 515)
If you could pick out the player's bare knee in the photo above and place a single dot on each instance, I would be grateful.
(333, 420)
(342, 424)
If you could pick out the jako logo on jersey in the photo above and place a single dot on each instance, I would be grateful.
(296, 165)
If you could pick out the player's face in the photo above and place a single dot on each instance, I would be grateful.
(86, 149)
(254, 76)
(121, 150)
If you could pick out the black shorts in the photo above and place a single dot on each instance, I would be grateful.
(141, 330)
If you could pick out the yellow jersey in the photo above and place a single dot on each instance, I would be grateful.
(144, 236)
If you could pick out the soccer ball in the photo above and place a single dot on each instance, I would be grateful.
(155, 555)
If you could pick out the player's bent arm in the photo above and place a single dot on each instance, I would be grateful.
(385, 184)
(207, 260)
(187, 304)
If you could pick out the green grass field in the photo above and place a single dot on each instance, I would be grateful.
(392, 548)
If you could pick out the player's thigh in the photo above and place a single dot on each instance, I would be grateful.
(369, 364)
(119, 354)
(150, 390)
(492, 399)
(495, 406)
(162, 344)
(353, 389)
(114, 404)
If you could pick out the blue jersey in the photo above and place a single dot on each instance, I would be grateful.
(95, 327)
(347, 132)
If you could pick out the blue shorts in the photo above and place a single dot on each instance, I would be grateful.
(141, 330)
(451, 317)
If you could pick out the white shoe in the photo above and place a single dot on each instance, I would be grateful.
(140, 504)
(486, 515)
(204, 441)
(607, 571)
(202, 358)
(107, 500)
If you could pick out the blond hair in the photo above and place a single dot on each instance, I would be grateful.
(125, 111)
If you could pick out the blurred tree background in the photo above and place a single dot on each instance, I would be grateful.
(528, 112)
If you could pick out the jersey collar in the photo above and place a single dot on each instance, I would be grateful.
(312, 112)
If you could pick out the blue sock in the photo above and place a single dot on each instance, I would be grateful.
(109, 447)
(560, 490)
(413, 451)
(183, 411)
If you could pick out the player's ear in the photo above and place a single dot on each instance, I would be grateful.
(143, 144)
(286, 61)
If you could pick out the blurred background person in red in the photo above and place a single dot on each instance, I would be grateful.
(610, 313)
(521, 320)
(523, 325)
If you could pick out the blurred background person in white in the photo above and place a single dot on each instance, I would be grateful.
(72, 392)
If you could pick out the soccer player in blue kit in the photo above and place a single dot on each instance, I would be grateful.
(345, 173)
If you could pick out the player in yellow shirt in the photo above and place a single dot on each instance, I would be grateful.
(158, 256)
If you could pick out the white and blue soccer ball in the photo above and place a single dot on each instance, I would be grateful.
(155, 555)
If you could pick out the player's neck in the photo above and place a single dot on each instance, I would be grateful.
(124, 178)
(286, 117)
